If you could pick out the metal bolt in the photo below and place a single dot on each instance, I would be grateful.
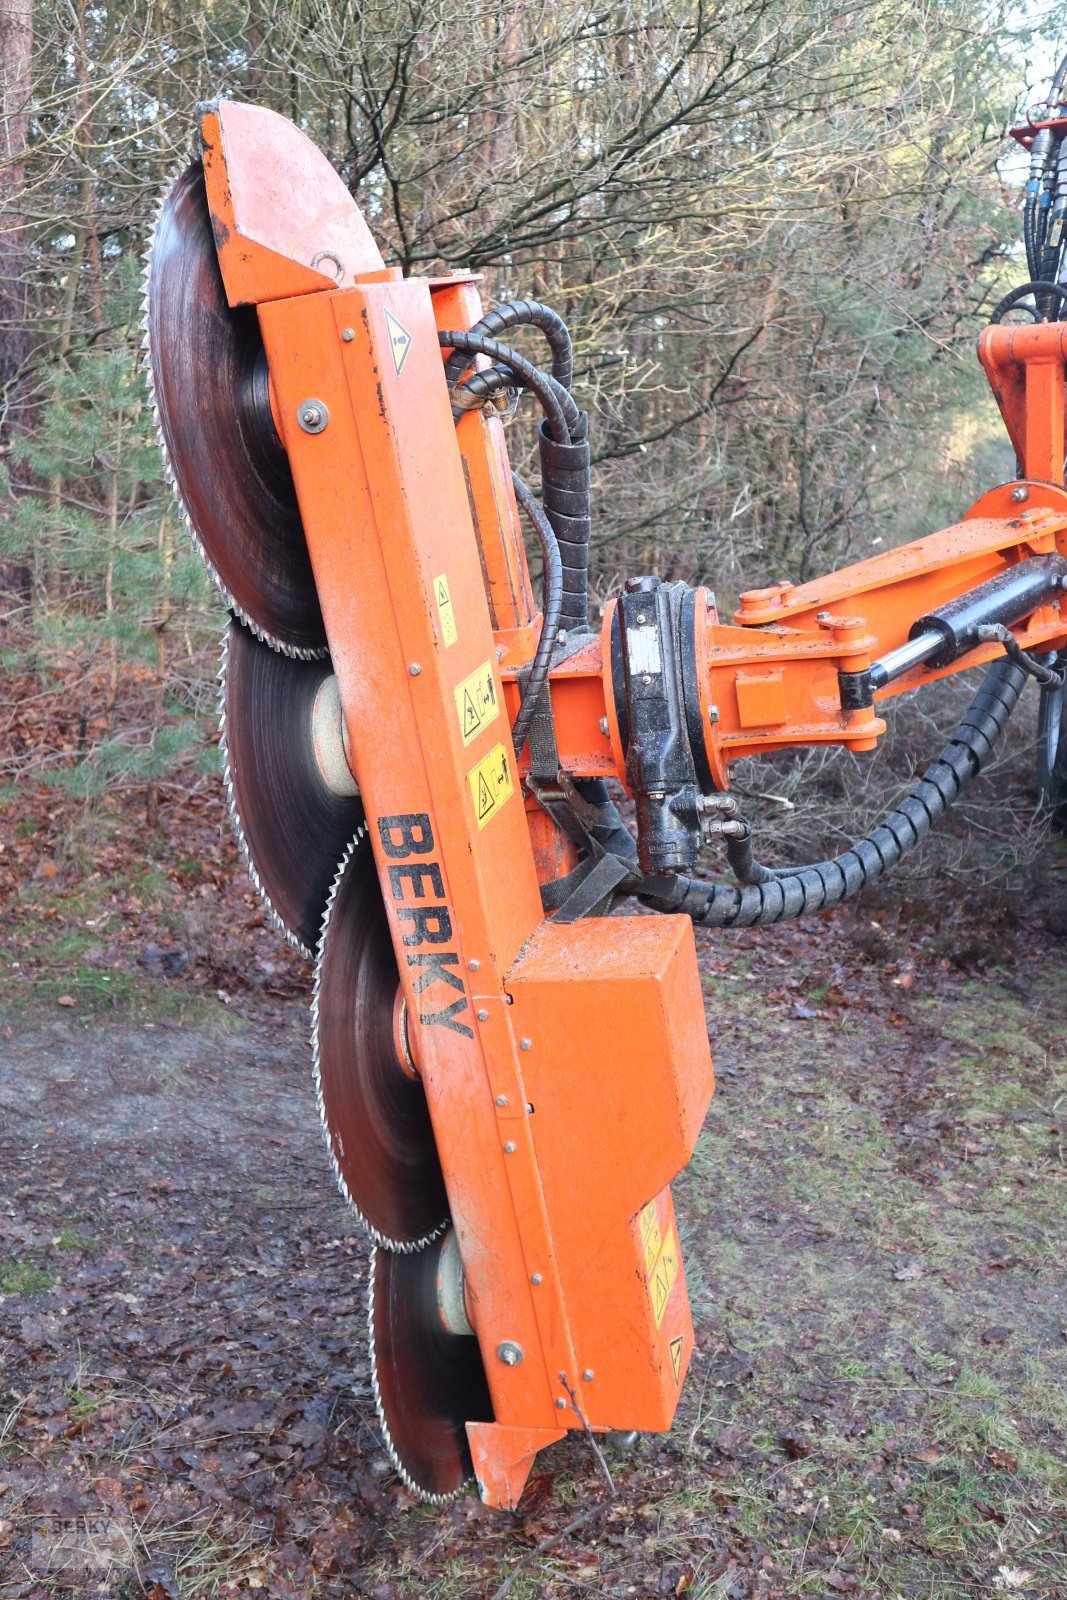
(1024, 516)
(561, 1404)
(501, 1099)
(561, 636)
(1020, 492)
(713, 713)
(709, 599)
(525, 1044)
(640, 617)
(588, 1375)
(348, 334)
(509, 1149)
(647, 679)
(414, 669)
(510, 1353)
(483, 1016)
(312, 415)
(822, 616)
(535, 1279)
(474, 965)
(604, 725)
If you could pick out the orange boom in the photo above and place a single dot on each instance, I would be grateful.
(415, 752)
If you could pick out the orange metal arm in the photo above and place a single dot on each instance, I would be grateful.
(770, 679)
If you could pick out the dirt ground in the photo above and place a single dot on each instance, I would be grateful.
(873, 1228)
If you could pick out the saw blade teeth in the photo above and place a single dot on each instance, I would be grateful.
(235, 816)
(379, 1239)
(301, 654)
(387, 1438)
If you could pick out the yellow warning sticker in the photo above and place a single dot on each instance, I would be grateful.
(676, 1358)
(663, 1275)
(444, 610)
(399, 341)
(476, 702)
(490, 783)
(650, 1235)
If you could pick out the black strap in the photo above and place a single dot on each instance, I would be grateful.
(593, 894)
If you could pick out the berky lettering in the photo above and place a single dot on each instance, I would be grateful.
(410, 834)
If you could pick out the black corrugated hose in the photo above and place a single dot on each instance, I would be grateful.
(780, 894)
(522, 314)
(563, 448)
(553, 599)
(556, 401)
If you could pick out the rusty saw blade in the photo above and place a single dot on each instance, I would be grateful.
(428, 1383)
(207, 373)
(374, 1114)
(291, 808)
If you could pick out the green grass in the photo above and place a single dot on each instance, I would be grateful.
(71, 1239)
(22, 1278)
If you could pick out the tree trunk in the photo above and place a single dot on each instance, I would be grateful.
(16, 49)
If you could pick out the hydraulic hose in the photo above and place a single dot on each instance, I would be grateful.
(563, 446)
(565, 491)
(778, 895)
(553, 596)
(562, 413)
(523, 314)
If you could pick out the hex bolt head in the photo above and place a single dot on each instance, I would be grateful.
(312, 415)
(561, 1404)
(483, 1016)
(525, 1044)
(822, 616)
(588, 1375)
(535, 1278)
(713, 713)
(509, 1148)
(348, 334)
(474, 965)
(1020, 492)
(414, 669)
(604, 725)
(501, 1099)
(510, 1353)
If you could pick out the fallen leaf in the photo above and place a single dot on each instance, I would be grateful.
(66, 1000)
(1011, 1578)
(909, 1272)
(1003, 1459)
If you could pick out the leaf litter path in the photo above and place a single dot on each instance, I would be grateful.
(874, 1229)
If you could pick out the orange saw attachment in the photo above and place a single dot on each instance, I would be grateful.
(506, 1099)
(416, 755)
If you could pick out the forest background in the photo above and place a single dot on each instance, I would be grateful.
(775, 229)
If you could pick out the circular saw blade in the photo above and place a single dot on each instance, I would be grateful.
(290, 826)
(206, 370)
(428, 1383)
(375, 1117)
